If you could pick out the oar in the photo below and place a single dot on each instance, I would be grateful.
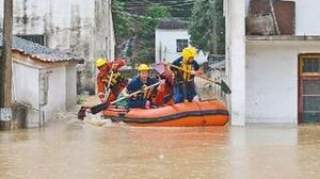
(82, 111)
(224, 87)
(100, 107)
(109, 83)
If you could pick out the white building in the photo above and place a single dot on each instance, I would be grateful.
(83, 27)
(44, 80)
(274, 79)
(171, 37)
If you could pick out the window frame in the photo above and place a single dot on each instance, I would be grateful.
(304, 76)
(301, 64)
(30, 36)
(179, 49)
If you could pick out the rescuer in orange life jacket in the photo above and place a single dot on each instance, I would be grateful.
(117, 82)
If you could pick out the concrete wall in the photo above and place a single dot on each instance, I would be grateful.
(46, 91)
(166, 45)
(83, 27)
(26, 91)
(235, 59)
(56, 91)
(71, 86)
(272, 80)
(104, 37)
(263, 74)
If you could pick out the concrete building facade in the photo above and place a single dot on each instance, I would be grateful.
(274, 79)
(171, 37)
(44, 81)
(82, 27)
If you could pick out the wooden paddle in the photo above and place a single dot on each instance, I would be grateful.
(100, 107)
(109, 83)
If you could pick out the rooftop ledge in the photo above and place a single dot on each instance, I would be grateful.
(283, 37)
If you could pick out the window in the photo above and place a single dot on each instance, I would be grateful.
(311, 100)
(181, 44)
(309, 88)
(311, 65)
(39, 39)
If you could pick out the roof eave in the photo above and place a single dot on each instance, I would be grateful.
(283, 37)
(37, 58)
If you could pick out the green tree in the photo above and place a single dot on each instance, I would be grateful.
(154, 14)
(122, 21)
(207, 27)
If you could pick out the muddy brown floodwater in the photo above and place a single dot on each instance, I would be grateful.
(68, 149)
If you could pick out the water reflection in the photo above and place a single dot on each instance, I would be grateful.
(263, 152)
(73, 149)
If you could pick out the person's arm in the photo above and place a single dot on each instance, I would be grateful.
(101, 85)
(153, 81)
(168, 75)
(175, 63)
(196, 69)
(196, 65)
(119, 63)
(161, 92)
(130, 87)
(134, 101)
(133, 86)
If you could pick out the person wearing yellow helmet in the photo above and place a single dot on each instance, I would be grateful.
(184, 88)
(188, 54)
(101, 62)
(117, 81)
(139, 82)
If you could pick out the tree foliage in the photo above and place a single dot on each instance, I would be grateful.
(122, 21)
(207, 27)
(146, 35)
(154, 14)
(140, 28)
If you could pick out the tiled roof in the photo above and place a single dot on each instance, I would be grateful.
(173, 24)
(40, 52)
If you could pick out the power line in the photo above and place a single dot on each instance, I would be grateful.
(138, 16)
(172, 3)
(142, 4)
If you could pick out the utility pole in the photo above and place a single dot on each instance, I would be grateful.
(6, 64)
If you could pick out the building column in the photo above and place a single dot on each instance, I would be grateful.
(236, 53)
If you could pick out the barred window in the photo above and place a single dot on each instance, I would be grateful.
(310, 87)
(39, 39)
(181, 44)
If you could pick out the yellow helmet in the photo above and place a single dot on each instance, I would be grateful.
(189, 52)
(100, 62)
(143, 67)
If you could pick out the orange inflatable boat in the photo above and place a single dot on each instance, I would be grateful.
(204, 113)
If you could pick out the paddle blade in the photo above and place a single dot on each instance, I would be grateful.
(225, 88)
(82, 113)
(100, 107)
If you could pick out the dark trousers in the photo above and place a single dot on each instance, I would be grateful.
(184, 90)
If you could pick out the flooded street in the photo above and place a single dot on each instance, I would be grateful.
(74, 149)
